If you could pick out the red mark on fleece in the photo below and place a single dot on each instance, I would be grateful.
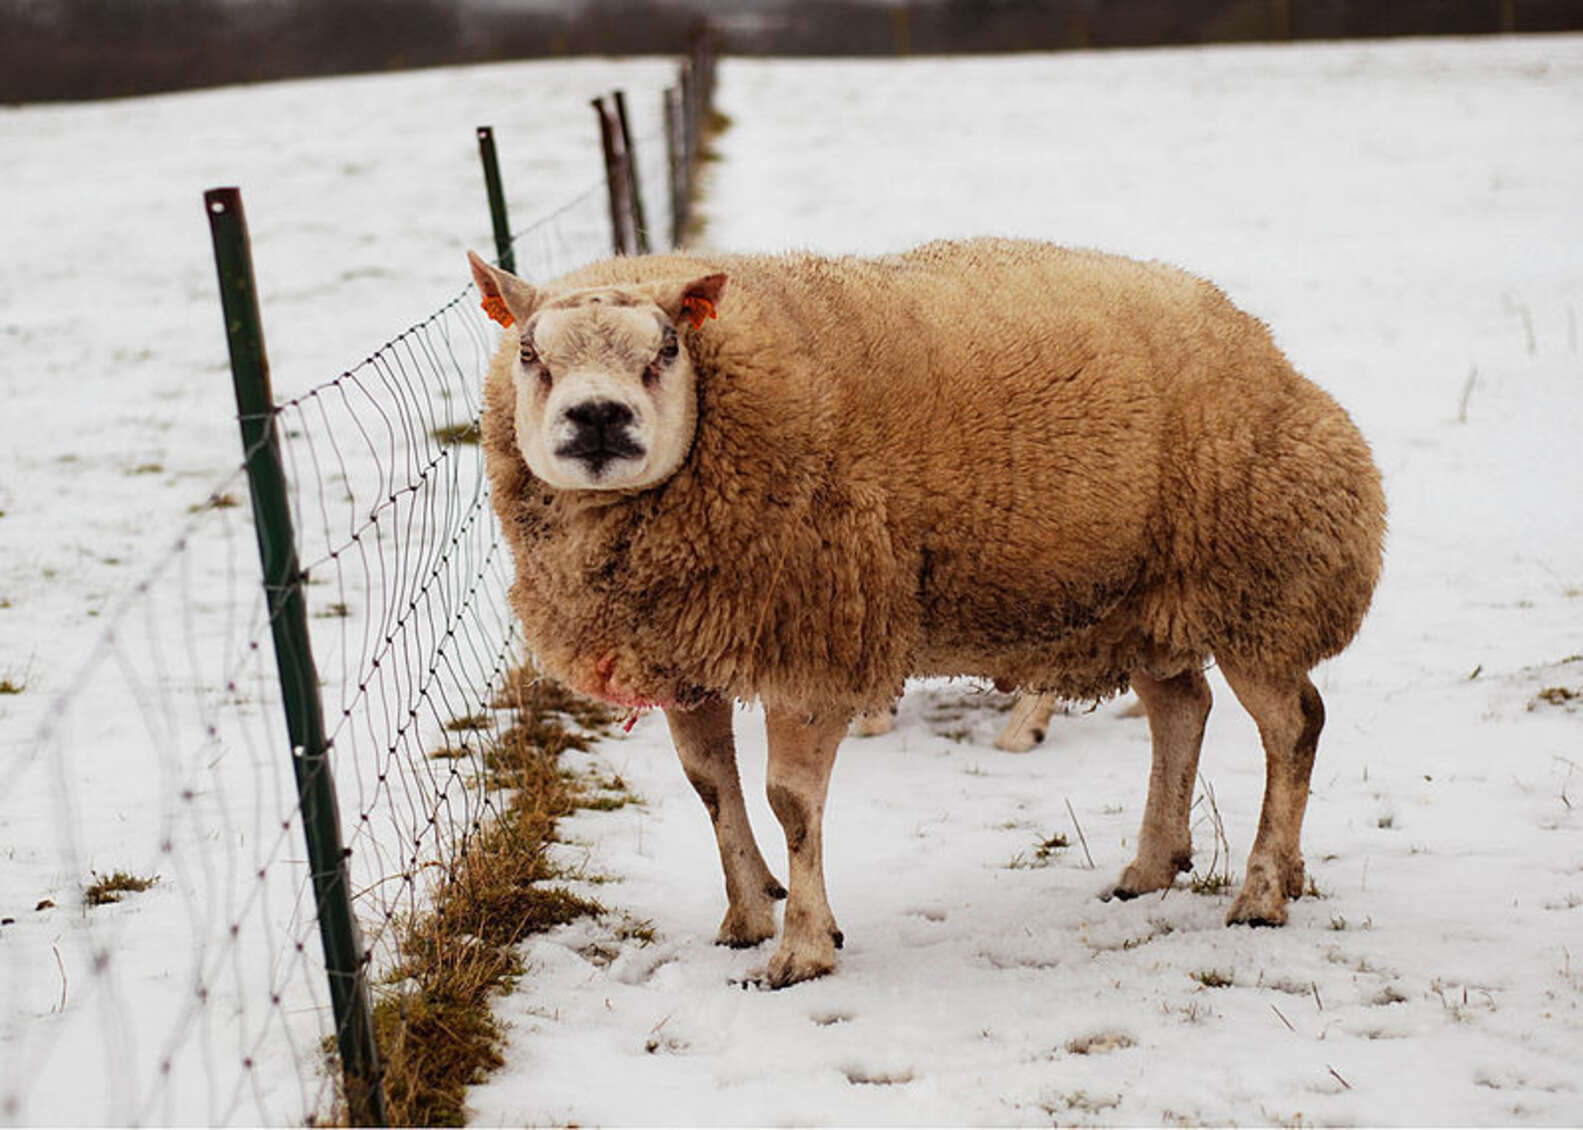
(698, 308)
(605, 684)
(495, 307)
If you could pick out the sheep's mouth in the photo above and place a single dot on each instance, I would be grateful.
(596, 452)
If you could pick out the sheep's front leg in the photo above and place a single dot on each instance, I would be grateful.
(707, 748)
(1178, 708)
(801, 752)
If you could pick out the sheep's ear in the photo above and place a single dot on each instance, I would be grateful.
(695, 300)
(506, 298)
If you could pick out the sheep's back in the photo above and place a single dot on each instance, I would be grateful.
(1088, 462)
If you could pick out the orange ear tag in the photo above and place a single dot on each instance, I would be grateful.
(697, 308)
(495, 307)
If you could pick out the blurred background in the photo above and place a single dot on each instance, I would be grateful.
(74, 49)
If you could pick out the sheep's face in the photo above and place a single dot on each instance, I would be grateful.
(606, 395)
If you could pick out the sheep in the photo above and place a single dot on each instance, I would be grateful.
(802, 479)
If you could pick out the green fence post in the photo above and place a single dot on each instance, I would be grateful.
(497, 200)
(345, 963)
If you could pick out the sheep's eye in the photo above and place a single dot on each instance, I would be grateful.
(527, 354)
(669, 347)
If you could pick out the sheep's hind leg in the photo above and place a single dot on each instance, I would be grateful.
(1029, 722)
(801, 753)
(875, 723)
(707, 748)
(1177, 708)
(1290, 715)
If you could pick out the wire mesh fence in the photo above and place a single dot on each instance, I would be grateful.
(187, 983)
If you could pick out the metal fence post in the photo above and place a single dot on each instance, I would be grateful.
(687, 80)
(345, 962)
(640, 226)
(623, 239)
(497, 200)
(676, 165)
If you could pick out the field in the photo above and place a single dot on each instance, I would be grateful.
(1404, 217)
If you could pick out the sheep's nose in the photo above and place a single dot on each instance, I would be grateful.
(599, 434)
(601, 417)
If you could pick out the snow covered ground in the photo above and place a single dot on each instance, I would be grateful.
(1405, 217)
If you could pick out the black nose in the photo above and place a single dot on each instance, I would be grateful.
(600, 417)
(600, 434)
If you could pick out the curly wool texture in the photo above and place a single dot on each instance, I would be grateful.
(1046, 466)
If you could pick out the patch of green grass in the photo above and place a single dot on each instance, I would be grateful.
(1212, 978)
(110, 888)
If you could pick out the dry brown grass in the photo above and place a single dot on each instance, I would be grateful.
(465, 433)
(106, 889)
(437, 1033)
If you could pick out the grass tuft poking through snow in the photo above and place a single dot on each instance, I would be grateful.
(110, 888)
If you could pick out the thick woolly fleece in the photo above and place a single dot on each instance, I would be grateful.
(1046, 466)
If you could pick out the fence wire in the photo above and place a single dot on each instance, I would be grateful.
(175, 976)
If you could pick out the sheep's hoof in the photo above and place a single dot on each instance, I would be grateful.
(1139, 879)
(1019, 741)
(793, 964)
(1261, 902)
(743, 929)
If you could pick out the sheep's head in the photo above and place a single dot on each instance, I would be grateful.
(607, 398)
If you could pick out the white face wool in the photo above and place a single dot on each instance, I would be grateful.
(606, 396)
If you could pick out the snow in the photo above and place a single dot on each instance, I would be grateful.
(1404, 216)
